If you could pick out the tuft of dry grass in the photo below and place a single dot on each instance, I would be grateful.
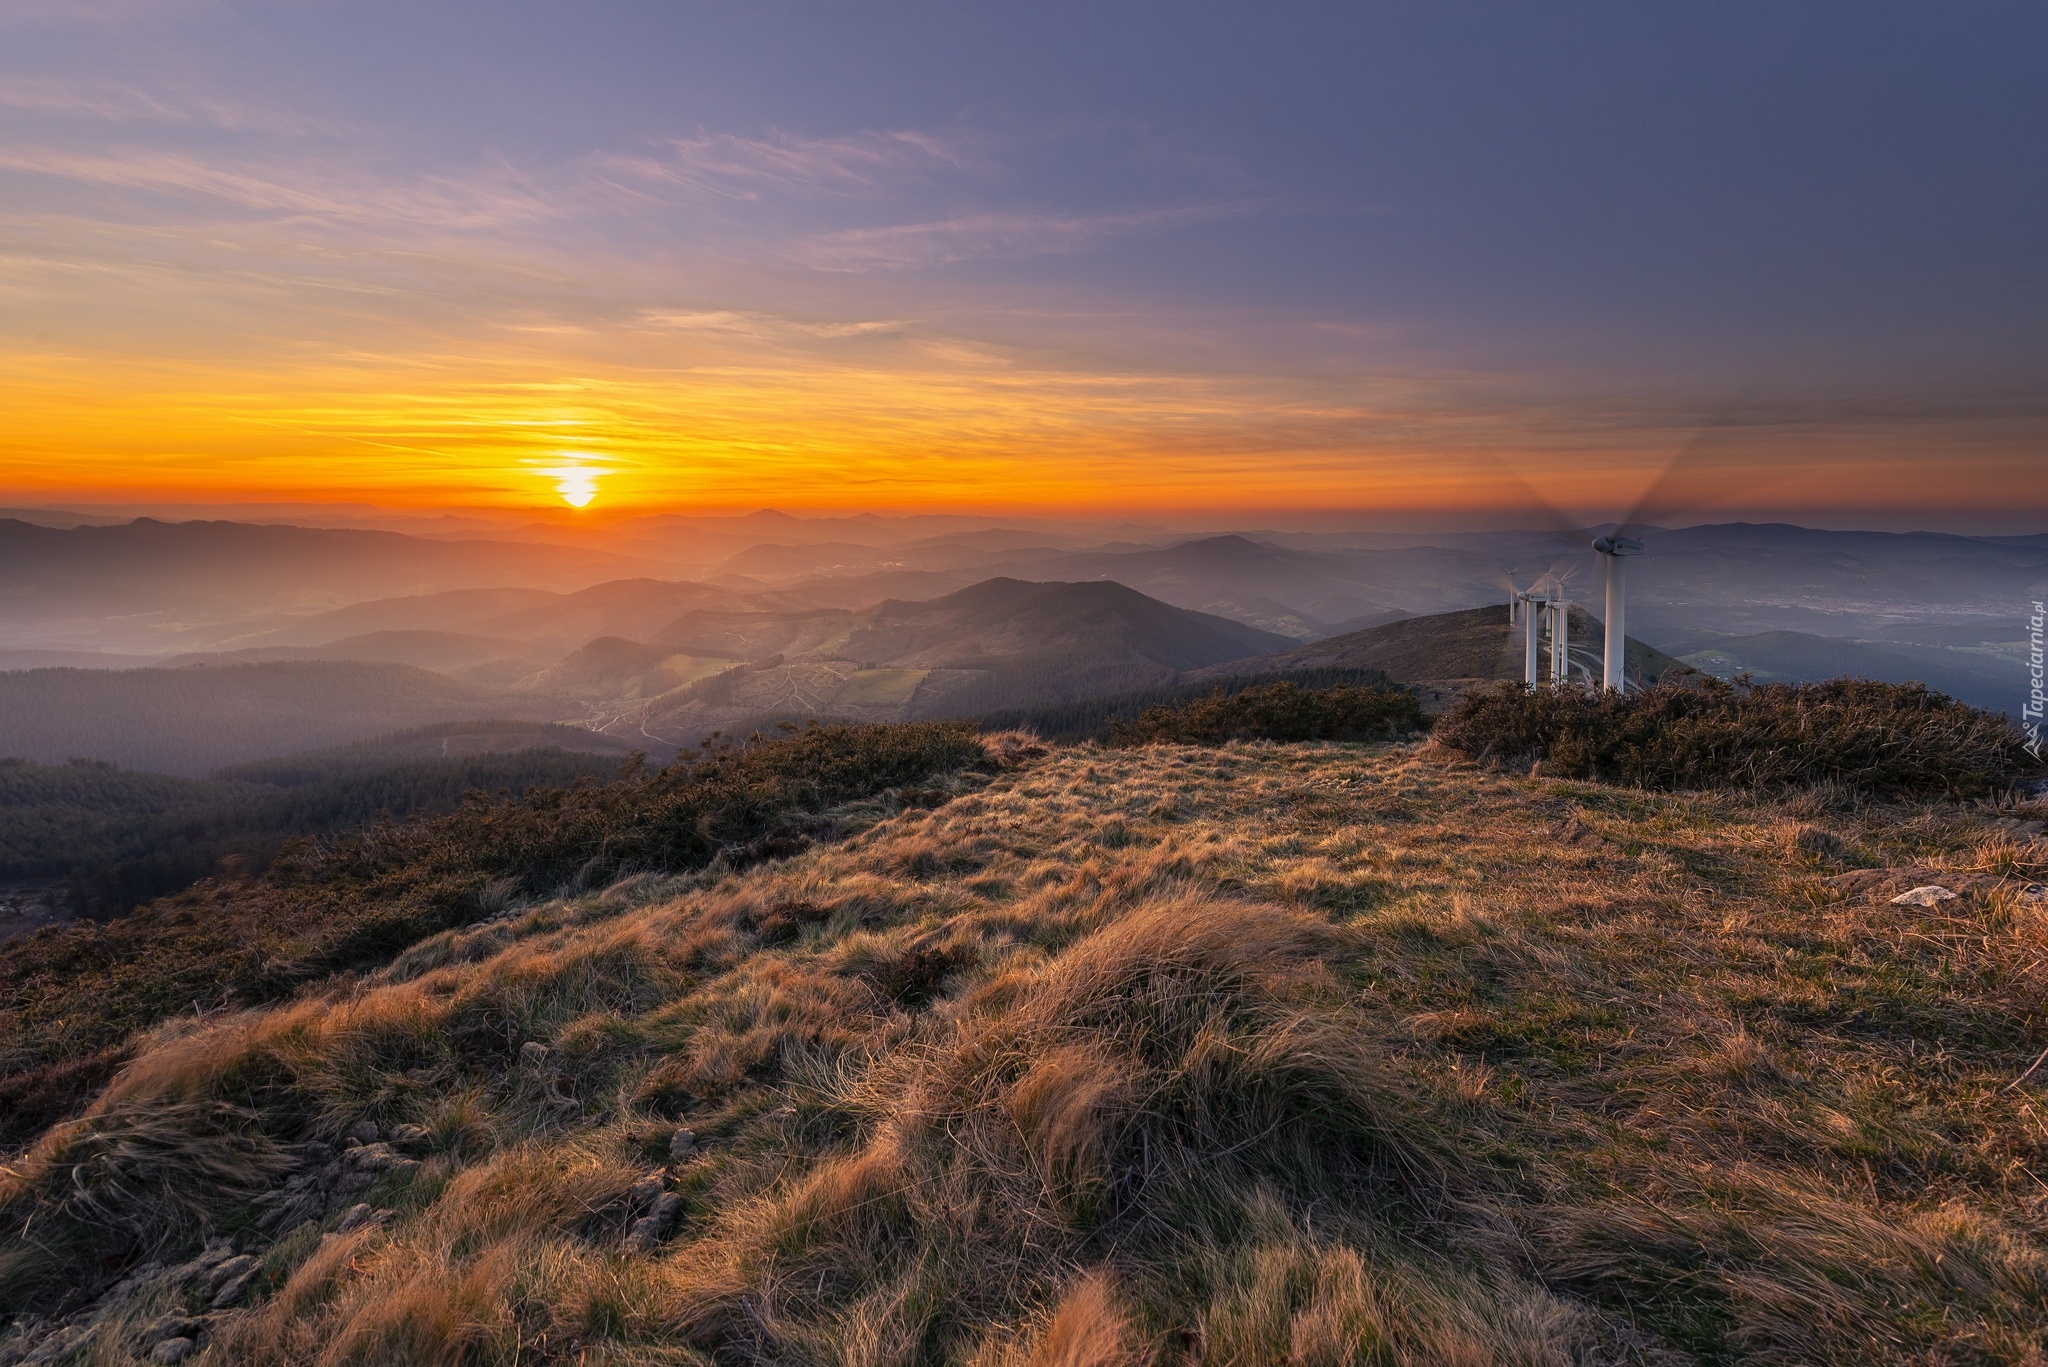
(1345, 1055)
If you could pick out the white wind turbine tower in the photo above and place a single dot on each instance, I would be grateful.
(1522, 609)
(1538, 611)
(1614, 552)
(1560, 640)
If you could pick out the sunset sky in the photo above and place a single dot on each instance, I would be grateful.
(1099, 258)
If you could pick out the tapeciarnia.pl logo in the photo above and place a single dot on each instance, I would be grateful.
(2031, 714)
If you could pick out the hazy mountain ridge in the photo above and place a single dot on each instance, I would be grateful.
(191, 721)
(1735, 578)
(1797, 657)
(1004, 642)
(659, 660)
(146, 566)
(1478, 643)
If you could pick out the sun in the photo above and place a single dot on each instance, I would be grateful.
(576, 483)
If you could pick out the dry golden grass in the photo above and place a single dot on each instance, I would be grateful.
(1266, 1054)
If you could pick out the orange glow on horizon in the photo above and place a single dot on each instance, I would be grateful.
(923, 434)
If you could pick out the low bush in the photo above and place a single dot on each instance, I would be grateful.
(1900, 740)
(1095, 718)
(1281, 711)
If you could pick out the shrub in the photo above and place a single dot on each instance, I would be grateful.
(1281, 711)
(1902, 740)
(1094, 718)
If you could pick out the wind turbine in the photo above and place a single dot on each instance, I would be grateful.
(1614, 551)
(1681, 485)
(1539, 611)
(1560, 640)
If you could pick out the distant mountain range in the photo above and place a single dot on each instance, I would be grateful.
(877, 617)
(156, 588)
(1796, 657)
(157, 579)
(1003, 643)
(192, 721)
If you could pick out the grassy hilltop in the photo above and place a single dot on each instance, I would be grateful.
(1319, 1053)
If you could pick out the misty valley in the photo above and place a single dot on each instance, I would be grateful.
(179, 699)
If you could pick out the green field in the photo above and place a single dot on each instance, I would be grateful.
(679, 670)
(880, 687)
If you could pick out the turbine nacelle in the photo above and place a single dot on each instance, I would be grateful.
(1618, 545)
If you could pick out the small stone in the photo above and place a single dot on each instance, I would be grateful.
(681, 1145)
(172, 1350)
(217, 1251)
(147, 1272)
(169, 1327)
(652, 1228)
(1923, 896)
(534, 1053)
(411, 1136)
(374, 1158)
(231, 1290)
(355, 1217)
(363, 1132)
(229, 1270)
(645, 1191)
(2034, 892)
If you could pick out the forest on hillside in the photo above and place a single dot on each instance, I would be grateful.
(122, 837)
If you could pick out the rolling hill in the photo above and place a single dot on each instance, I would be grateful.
(902, 1050)
(1798, 657)
(1478, 643)
(454, 610)
(442, 740)
(232, 571)
(1002, 643)
(194, 720)
(444, 652)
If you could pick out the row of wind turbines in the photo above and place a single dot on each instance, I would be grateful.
(1700, 474)
(1542, 612)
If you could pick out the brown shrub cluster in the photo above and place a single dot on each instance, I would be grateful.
(1900, 740)
(1283, 711)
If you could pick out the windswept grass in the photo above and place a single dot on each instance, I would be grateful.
(1903, 740)
(70, 998)
(1236, 1055)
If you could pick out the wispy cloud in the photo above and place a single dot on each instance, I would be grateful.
(858, 164)
(100, 13)
(53, 97)
(765, 325)
(487, 199)
(1001, 236)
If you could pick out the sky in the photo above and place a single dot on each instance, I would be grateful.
(1348, 260)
